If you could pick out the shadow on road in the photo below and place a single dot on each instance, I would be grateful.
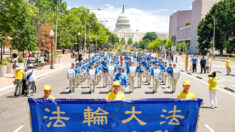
(149, 92)
(104, 92)
(168, 92)
(206, 107)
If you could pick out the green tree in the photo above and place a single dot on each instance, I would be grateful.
(130, 41)
(150, 36)
(223, 15)
(122, 42)
(168, 43)
(24, 33)
(143, 43)
(155, 45)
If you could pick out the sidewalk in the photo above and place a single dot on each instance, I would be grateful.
(66, 62)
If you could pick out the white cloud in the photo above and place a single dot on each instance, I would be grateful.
(140, 20)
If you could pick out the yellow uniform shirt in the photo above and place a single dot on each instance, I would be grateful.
(19, 74)
(118, 96)
(183, 95)
(213, 81)
(50, 97)
(228, 63)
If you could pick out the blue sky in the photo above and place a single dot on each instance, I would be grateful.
(153, 13)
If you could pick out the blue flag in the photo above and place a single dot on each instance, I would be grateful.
(145, 115)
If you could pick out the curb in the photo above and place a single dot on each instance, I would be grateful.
(36, 78)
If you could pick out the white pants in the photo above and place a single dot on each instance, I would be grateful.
(213, 98)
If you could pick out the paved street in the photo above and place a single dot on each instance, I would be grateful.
(14, 112)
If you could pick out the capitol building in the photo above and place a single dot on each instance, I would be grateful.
(123, 29)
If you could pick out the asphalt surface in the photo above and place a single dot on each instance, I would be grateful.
(14, 112)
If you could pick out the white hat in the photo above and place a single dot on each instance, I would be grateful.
(30, 65)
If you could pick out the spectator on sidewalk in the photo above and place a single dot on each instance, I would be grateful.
(228, 66)
(47, 92)
(208, 64)
(203, 64)
(30, 76)
(63, 50)
(194, 63)
(18, 80)
(213, 82)
(186, 63)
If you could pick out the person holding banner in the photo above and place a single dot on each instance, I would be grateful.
(175, 77)
(116, 94)
(132, 75)
(111, 72)
(186, 94)
(71, 75)
(139, 72)
(155, 72)
(47, 92)
(92, 77)
(122, 78)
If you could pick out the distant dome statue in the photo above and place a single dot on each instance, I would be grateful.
(123, 23)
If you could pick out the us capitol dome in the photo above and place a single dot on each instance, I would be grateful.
(123, 29)
(123, 22)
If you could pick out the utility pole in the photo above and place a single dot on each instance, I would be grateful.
(56, 27)
(213, 38)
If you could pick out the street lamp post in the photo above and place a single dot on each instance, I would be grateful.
(52, 34)
(213, 44)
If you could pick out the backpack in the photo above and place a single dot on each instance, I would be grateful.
(71, 74)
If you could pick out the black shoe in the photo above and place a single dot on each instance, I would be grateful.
(15, 95)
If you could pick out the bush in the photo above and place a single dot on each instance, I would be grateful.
(21, 60)
(3, 62)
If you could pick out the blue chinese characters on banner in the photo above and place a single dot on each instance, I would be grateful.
(93, 115)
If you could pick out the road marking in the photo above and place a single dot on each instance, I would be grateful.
(220, 89)
(19, 128)
(208, 127)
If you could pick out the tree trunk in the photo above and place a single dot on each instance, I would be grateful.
(221, 52)
(23, 53)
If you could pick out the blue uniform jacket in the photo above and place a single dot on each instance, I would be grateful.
(122, 78)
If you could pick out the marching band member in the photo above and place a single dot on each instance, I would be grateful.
(155, 72)
(77, 73)
(176, 75)
(122, 78)
(170, 73)
(92, 77)
(132, 75)
(71, 75)
(139, 72)
(111, 74)
(98, 76)
(105, 70)
(165, 72)
(148, 72)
